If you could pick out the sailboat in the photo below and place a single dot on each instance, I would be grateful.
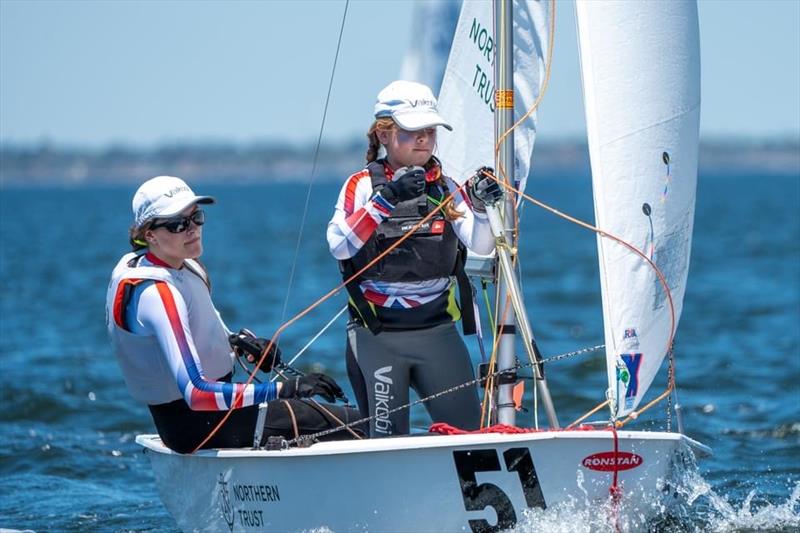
(640, 66)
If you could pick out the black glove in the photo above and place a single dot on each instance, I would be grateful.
(312, 385)
(408, 183)
(247, 345)
(483, 189)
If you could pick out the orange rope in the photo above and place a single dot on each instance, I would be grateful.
(492, 362)
(539, 97)
(590, 413)
(615, 491)
(633, 249)
(316, 304)
(545, 82)
(507, 184)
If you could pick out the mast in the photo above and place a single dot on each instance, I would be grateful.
(502, 221)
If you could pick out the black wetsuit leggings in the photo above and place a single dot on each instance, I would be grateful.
(182, 429)
(382, 367)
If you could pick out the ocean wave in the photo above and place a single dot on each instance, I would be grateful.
(783, 431)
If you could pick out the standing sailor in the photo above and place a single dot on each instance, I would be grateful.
(403, 308)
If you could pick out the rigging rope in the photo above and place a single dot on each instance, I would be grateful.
(455, 388)
(615, 491)
(314, 338)
(303, 219)
(485, 407)
(505, 182)
(314, 164)
(661, 278)
(519, 194)
(317, 303)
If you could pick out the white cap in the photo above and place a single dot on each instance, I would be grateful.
(162, 197)
(411, 105)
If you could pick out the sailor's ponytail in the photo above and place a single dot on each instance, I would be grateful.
(136, 237)
(374, 147)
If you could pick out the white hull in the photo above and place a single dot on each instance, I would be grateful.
(418, 483)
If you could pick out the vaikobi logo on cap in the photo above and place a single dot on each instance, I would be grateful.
(427, 103)
(172, 192)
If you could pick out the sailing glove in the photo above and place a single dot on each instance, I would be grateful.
(483, 189)
(246, 344)
(312, 385)
(408, 183)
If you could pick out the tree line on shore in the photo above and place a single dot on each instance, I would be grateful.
(47, 164)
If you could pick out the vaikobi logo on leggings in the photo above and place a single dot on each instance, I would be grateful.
(383, 391)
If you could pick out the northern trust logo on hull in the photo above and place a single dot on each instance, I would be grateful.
(246, 505)
(383, 391)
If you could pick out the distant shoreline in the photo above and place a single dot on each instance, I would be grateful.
(47, 165)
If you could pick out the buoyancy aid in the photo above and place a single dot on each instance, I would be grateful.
(144, 368)
(432, 252)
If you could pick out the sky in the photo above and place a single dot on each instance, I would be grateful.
(99, 73)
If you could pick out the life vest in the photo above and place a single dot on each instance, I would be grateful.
(144, 367)
(432, 252)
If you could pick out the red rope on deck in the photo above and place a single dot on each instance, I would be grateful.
(447, 429)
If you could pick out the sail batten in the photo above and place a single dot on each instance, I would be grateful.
(641, 78)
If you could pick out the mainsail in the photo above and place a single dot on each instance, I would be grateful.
(467, 95)
(640, 63)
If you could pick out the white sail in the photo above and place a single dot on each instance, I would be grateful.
(640, 63)
(467, 95)
(426, 57)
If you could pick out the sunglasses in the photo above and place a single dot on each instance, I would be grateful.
(179, 224)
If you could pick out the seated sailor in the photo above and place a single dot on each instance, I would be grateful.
(174, 350)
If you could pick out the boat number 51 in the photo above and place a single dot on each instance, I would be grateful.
(479, 496)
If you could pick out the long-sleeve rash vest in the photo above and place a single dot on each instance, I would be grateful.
(160, 310)
(356, 217)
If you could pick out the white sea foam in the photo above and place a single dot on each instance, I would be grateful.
(697, 508)
(720, 514)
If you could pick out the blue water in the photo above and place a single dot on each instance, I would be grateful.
(68, 461)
